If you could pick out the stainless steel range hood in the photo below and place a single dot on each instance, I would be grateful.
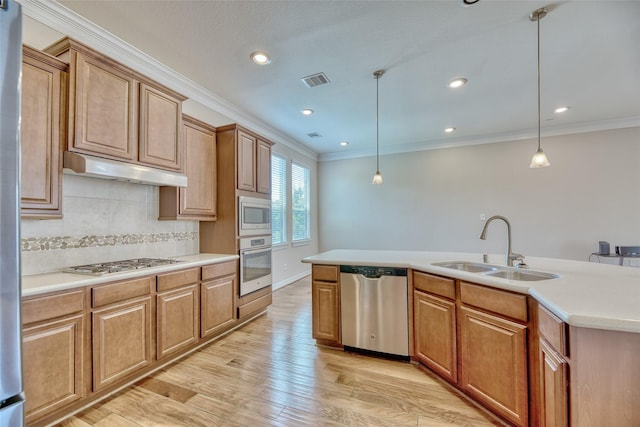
(83, 164)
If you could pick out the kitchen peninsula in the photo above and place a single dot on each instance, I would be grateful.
(513, 345)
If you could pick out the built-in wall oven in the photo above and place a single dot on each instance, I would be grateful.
(255, 264)
(254, 216)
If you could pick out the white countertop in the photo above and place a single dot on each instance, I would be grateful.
(42, 283)
(589, 295)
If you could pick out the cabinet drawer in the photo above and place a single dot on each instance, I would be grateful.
(178, 278)
(553, 329)
(434, 284)
(108, 294)
(218, 270)
(501, 302)
(325, 273)
(254, 306)
(52, 306)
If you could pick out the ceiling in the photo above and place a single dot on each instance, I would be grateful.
(590, 61)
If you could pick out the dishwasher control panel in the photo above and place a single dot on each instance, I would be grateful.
(373, 271)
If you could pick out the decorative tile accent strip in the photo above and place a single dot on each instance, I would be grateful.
(34, 244)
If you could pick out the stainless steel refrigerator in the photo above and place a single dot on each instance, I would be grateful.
(11, 387)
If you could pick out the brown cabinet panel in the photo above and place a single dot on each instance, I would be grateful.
(554, 371)
(43, 130)
(217, 270)
(217, 305)
(435, 334)
(37, 309)
(177, 319)
(325, 273)
(105, 101)
(508, 304)
(493, 367)
(121, 291)
(53, 374)
(160, 128)
(121, 341)
(246, 161)
(325, 298)
(247, 309)
(437, 285)
(263, 167)
(176, 279)
(553, 330)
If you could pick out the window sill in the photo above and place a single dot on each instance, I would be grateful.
(296, 243)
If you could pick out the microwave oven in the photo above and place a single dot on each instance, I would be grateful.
(254, 216)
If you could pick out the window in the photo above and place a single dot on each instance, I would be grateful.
(278, 199)
(300, 206)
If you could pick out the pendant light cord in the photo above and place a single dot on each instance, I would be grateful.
(377, 127)
(538, 21)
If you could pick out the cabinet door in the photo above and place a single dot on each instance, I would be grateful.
(325, 298)
(53, 374)
(493, 368)
(160, 129)
(246, 161)
(553, 387)
(263, 171)
(105, 110)
(435, 334)
(121, 341)
(199, 198)
(217, 305)
(177, 319)
(42, 130)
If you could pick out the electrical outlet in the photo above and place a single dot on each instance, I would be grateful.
(483, 217)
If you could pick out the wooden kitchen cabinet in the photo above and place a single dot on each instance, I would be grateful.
(53, 351)
(252, 158)
(117, 113)
(198, 201)
(493, 350)
(218, 290)
(325, 300)
(553, 370)
(122, 329)
(177, 311)
(43, 129)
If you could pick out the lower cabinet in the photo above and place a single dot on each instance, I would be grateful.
(325, 300)
(53, 352)
(435, 334)
(177, 319)
(217, 290)
(553, 387)
(493, 368)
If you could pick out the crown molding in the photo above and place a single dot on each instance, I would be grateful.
(575, 128)
(66, 21)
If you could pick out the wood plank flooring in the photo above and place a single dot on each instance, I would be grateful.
(271, 373)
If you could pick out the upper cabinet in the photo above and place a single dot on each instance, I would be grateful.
(198, 200)
(43, 128)
(253, 159)
(117, 113)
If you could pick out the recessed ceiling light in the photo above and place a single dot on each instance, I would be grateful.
(456, 83)
(307, 112)
(561, 109)
(344, 143)
(260, 57)
(449, 130)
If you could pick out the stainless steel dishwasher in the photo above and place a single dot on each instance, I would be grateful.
(373, 309)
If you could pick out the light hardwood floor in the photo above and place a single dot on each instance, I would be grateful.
(271, 373)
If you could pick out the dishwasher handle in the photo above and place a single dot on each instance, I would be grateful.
(373, 272)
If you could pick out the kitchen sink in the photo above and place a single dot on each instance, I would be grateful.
(497, 271)
(526, 276)
(471, 267)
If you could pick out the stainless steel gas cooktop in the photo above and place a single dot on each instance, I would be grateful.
(100, 269)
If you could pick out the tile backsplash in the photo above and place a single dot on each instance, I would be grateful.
(103, 221)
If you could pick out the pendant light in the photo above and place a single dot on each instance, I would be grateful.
(377, 178)
(539, 159)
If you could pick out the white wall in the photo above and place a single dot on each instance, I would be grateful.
(432, 200)
(286, 258)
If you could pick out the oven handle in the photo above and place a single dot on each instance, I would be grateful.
(255, 251)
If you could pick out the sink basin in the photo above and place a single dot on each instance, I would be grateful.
(497, 271)
(471, 267)
(526, 276)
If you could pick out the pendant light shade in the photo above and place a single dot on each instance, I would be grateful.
(539, 159)
(377, 178)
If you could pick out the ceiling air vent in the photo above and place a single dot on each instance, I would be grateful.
(315, 80)
(314, 135)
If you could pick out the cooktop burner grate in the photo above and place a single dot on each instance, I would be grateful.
(99, 269)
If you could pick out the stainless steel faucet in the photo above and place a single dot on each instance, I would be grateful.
(511, 257)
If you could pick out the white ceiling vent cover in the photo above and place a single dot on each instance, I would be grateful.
(314, 135)
(315, 80)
